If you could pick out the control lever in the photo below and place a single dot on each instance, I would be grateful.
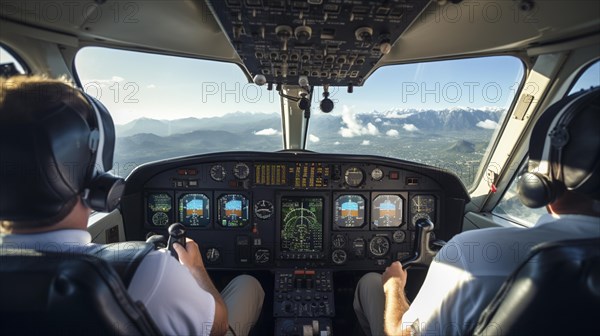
(159, 241)
(423, 254)
(176, 235)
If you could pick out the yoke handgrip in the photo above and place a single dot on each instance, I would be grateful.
(422, 254)
(176, 235)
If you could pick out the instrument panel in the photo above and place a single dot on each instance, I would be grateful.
(270, 210)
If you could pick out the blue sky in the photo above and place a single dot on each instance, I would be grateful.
(133, 85)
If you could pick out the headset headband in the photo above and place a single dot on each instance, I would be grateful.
(556, 137)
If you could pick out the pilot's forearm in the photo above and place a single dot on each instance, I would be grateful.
(220, 325)
(396, 305)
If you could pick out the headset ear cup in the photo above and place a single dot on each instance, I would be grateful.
(105, 192)
(535, 190)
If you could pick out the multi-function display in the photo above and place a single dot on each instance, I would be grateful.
(158, 209)
(301, 224)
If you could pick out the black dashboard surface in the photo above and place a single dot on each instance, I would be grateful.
(255, 210)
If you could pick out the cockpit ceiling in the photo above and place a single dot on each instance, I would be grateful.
(330, 41)
(189, 28)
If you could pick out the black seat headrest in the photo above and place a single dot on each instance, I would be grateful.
(556, 291)
(67, 294)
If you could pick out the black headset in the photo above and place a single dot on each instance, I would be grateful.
(46, 163)
(564, 151)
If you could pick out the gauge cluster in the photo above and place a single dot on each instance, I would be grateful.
(284, 210)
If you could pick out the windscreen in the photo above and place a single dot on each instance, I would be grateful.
(442, 113)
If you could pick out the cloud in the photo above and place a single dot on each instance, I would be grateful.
(151, 86)
(378, 120)
(365, 143)
(393, 133)
(337, 143)
(101, 82)
(267, 131)
(313, 138)
(410, 127)
(354, 127)
(487, 124)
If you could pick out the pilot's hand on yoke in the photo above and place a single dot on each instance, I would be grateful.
(189, 255)
(394, 278)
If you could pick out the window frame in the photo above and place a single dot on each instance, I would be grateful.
(16, 57)
(580, 73)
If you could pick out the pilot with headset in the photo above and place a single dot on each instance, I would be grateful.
(563, 175)
(56, 147)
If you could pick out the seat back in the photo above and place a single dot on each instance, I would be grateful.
(65, 293)
(555, 291)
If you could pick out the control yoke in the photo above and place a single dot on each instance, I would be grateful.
(176, 235)
(423, 254)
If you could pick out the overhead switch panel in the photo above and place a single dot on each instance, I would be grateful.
(332, 42)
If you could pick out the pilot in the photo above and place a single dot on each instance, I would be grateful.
(563, 174)
(50, 181)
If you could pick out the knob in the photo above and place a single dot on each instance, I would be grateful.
(303, 33)
(260, 80)
(287, 307)
(363, 34)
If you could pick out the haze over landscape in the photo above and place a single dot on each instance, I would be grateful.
(455, 139)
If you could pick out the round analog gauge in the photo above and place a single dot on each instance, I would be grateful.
(159, 208)
(212, 255)
(379, 246)
(377, 174)
(387, 211)
(263, 209)
(338, 241)
(339, 257)
(422, 206)
(399, 236)
(349, 211)
(262, 256)
(241, 171)
(354, 176)
(218, 172)
(422, 203)
(194, 210)
(233, 210)
(160, 219)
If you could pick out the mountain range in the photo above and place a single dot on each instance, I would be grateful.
(434, 137)
(427, 120)
(235, 122)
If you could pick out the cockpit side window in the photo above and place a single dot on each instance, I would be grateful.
(589, 77)
(9, 65)
(511, 208)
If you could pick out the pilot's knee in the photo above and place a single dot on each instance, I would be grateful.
(369, 280)
(368, 284)
(251, 285)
